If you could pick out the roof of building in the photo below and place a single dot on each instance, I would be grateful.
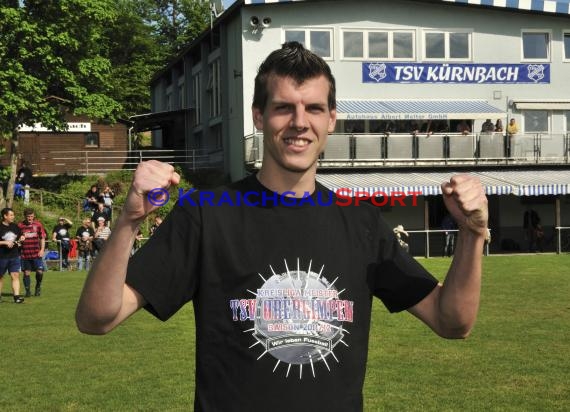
(505, 182)
(538, 6)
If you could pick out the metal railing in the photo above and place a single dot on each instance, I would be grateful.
(92, 162)
(421, 149)
(563, 239)
(431, 243)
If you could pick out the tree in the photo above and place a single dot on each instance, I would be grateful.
(176, 22)
(96, 56)
(135, 56)
(52, 48)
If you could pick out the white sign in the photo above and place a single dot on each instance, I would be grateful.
(71, 127)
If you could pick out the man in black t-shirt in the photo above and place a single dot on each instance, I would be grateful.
(84, 236)
(280, 270)
(10, 236)
(62, 236)
(101, 211)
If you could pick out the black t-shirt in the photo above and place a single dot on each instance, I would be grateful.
(62, 232)
(282, 295)
(97, 214)
(9, 232)
(84, 233)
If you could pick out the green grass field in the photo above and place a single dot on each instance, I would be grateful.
(517, 359)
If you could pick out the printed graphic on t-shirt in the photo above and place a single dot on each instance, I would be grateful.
(9, 236)
(298, 318)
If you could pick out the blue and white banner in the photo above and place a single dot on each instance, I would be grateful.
(379, 72)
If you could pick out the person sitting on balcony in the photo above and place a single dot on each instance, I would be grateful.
(512, 128)
(487, 127)
(499, 125)
(463, 127)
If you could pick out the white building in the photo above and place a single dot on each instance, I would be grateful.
(408, 73)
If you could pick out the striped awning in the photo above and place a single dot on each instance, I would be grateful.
(519, 183)
(540, 6)
(416, 109)
(535, 183)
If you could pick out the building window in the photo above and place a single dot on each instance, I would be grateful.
(535, 121)
(168, 100)
(567, 46)
(321, 43)
(447, 45)
(216, 136)
(378, 44)
(214, 88)
(181, 96)
(403, 45)
(196, 96)
(91, 139)
(198, 141)
(353, 44)
(318, 41)
(536, 45)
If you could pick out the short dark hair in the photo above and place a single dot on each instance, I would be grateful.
(294, 61)
(5, 211)
(29, 211)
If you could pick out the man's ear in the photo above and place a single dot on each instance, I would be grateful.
(332, 121)
(257, 117)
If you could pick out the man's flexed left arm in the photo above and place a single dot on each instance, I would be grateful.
(451, 309)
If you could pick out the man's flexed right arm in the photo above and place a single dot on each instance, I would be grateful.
(107, 300)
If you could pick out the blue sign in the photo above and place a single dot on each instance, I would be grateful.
(378, 72)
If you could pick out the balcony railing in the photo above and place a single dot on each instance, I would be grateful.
(369, 150)
(95, 162)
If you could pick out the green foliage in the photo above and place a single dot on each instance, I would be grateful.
(54, 48)
(4, 174)
(63, 196)
(96, 56)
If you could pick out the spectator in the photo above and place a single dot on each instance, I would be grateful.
(137, 243)
(33, 247)
(499, 125)
(100, 212)
(487, 242)
(102, 233)
(157, 222)
(106, 197)
(533, 230)
(24, 175)
(61, 235)
(84, 236)
(91, 199)
(463, 127)
(399, 231)
(450, 227)
(487, 126)
(10, 236)
(512, 128)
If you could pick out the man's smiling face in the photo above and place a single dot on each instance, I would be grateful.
(295, 123)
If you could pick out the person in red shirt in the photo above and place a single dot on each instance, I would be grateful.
(32, 251)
